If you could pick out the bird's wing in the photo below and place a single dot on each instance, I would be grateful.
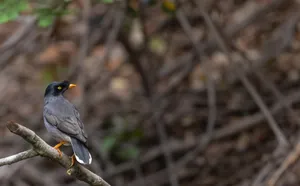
(77, 115)
(67, 123)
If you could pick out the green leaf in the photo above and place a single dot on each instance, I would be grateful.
(12, 15)
(45, 21)
(107, 1)
(129, 152)
(23, 5)
(47, 14)
(4, 18)
(136, 134)
(132, 12)
(168, 7)
(108, 143)
(48, 75)
(10, 9)
(158, 45)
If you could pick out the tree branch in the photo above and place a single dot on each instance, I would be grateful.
(41, 148)
(18, 157)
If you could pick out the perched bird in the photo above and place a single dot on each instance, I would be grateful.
(62, 121)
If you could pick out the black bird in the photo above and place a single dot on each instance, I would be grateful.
(62, 121)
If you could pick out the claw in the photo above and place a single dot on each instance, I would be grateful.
(59, 152)
(57, 148)
(69, 172)
(72, 160)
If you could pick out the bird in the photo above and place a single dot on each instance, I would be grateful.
(62, 121)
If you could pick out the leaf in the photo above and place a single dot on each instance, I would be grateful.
(132, 12)
(48, 75)
(136, 134)
(158, 45)
(23, 5)
(108, 143)
(10, 9)
(47, 15)
(45, 21)
(168, 6)
(107, 1)
(128, 152)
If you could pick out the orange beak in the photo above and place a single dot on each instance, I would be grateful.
(72, 85)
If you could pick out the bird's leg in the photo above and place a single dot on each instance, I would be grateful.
(57, 147)
(69, 171)
(73, 160)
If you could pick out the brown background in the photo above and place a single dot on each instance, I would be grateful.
(208, 95)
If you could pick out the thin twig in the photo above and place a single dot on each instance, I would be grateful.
(119, 16)
(77, 71)
(160, 127)
(230, 31)
(248, 85)
(135, 60)
(230, 129)
(291, 159)
(272, 87)
(211, 93)
(27, 23)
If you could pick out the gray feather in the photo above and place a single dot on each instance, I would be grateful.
(60, 113)
(81, 152)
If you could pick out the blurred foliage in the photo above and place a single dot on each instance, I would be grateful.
(53, 72)
(119, 143)
(48, 75)
(106, 1)
(48, 11)
(46, 16)
(158, 45)
(10, 9)
(168, 6)
(45, 12)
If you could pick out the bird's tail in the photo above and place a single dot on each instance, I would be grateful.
(81, 152)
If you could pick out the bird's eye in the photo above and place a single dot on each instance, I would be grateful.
(59, 88)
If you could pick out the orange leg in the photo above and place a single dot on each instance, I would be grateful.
(73, 160)
(57, 147)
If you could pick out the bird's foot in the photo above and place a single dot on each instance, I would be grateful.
(59, 152)
(57, 148)
(69, 172)
(72, 160)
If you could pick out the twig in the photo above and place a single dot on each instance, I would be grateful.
(291, 159)
(134, 59)
(160, 127)
(211, 93)
(262, 174)
(119, 16)
(212, 107)
(77, 72)
(230, 31)
(28, 21)
(41, 148)
(248, 85)
(230, 129)
(272, 87)
(18, 157)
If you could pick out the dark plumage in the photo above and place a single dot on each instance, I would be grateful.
(63, 122)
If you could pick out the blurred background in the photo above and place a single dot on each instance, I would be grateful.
(171, 93)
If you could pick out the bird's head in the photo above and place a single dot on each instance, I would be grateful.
(58, 88)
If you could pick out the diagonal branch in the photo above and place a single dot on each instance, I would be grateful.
(41, 148)
(282, 140)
